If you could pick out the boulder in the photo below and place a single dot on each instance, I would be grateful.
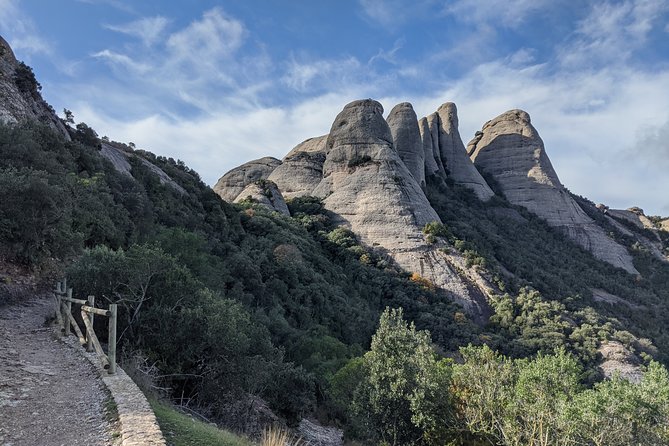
(302, 169)
(230, 185)
(264, 193)
(512, 152)
(407, 140)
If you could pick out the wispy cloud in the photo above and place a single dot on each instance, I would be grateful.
(612, 32)
(503, 13)
(149, 29)
(117, 59)
(24, 35)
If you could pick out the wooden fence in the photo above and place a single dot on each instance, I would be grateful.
(88, 311)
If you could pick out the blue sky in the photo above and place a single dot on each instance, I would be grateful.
(217, 83)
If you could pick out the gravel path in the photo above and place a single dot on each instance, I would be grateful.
(49, 394)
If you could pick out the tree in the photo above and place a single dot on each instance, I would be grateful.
(405, 394)
(69, 116)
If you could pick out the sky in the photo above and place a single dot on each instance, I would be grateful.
(219, 83)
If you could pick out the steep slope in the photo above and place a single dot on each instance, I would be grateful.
(511, 151)
(20, 98)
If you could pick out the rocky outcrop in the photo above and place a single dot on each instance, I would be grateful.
(407, 140)
(664, 225)
(302, 169)
(459, 166)
(230, 185)
(20, 99)
(619, 360)
(431, 167)
(632, 215)
(264, 193)
(119, 159)
(369, 189)
(512, 152)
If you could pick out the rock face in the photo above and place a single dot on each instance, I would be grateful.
(230, 185)
(431, 167)
(119, 159)
(459, 167)
(265, 193)
(511, 151)
(20, 100)
(633, 215)
(370, 190)
(617, 359)
(302, 169)
(407, 140)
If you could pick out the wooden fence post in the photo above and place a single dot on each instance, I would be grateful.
(59, 306)
(113, 310)
(68, 309)
(91, 317)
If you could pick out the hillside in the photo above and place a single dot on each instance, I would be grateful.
(258, 300)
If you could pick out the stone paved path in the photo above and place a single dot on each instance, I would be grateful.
(49, 395)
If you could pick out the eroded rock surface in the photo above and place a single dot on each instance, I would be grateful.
(19, 101)
(617, 359)
(302, 169)
(512, 152)
(264, 193)
(230, 185)
(453, 153)
(403, 125)
(370, 190)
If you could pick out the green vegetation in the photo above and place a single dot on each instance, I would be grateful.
(234, 303)
(182, 430)
(406, 395)
(25, 80)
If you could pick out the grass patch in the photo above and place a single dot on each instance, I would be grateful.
(182, 430)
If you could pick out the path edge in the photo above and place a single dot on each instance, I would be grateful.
(139, 426)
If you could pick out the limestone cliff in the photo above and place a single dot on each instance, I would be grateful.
(230, 185)
(512, 152)
(20, 99)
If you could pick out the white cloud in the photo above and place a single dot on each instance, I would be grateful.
(213, 38)
(148, 29)
(611, 32)
(117, 59)
(322, 74)
(20, 30)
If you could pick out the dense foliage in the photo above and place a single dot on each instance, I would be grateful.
(206, 289)
(404, 394)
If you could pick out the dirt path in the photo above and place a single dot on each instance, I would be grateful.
(49, 394)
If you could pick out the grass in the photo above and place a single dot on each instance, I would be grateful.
(182, 430)
(279, 437)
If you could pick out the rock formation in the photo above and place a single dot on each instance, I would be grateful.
(369, 189)
(302, 169)
(511, 151)
(431, 167)
(404, 129)
(20, 99)
(119, 159)
(453, 153)
(230, 185)
(264, 193)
